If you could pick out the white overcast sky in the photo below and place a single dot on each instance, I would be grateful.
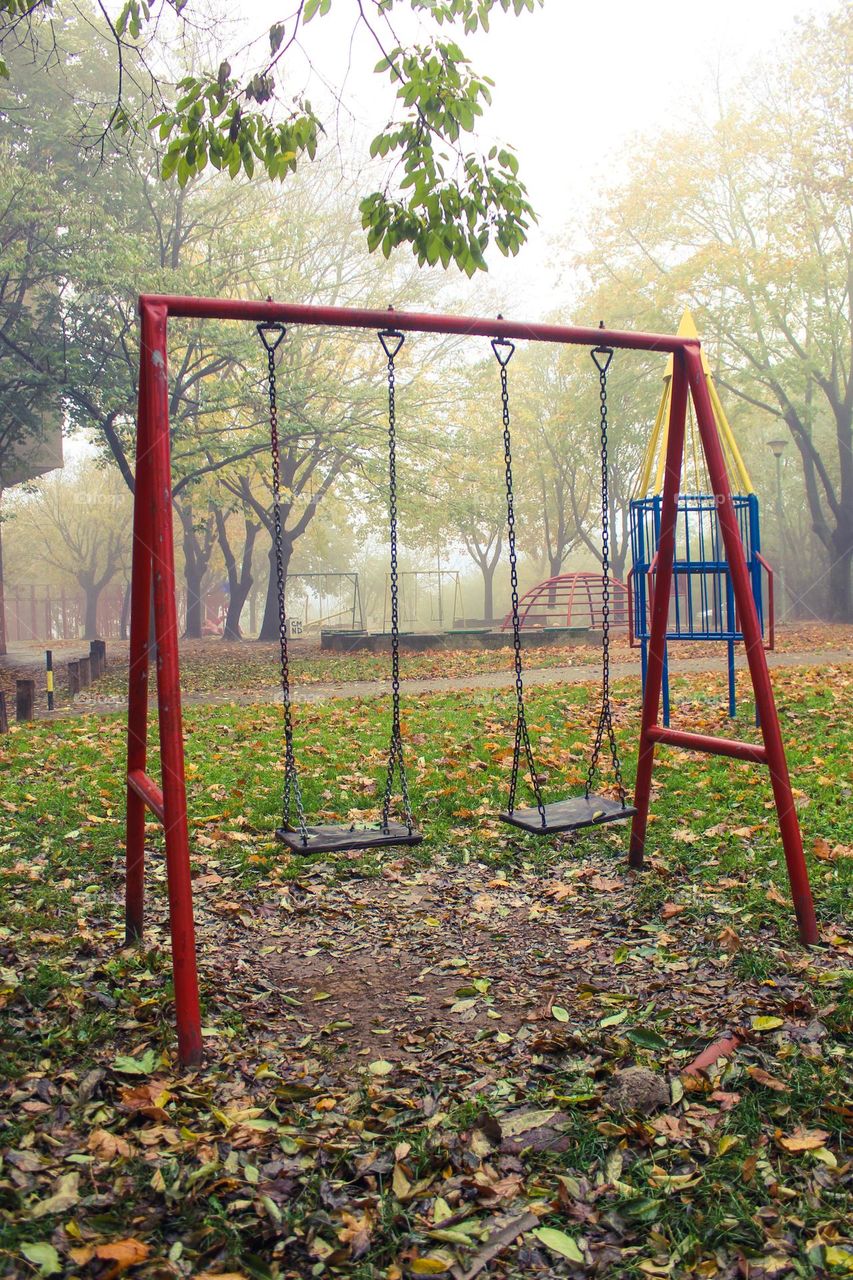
(576, 85)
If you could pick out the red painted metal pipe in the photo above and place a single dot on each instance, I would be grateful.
(789, 826)
(137, 697)
(187, 1011)
(149, 793)
(725, 1047)
(410, 322)
(751, 751)
(659, 610)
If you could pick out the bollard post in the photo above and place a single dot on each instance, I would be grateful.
(73, 678)
(85, 667)
(48, 663)
(98, 657)
(4, 715)
(25, 699)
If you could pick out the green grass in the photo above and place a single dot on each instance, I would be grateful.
(72, 999)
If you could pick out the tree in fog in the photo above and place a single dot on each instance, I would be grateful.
(74, 524)
(440, 194)
(748, 218)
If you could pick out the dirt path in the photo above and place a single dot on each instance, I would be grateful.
(482, 680)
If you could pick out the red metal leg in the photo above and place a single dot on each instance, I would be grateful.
(137, 697)
(187, 1010)
(659, 610)
(789, 825)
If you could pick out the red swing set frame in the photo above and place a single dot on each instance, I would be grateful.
(153, 574)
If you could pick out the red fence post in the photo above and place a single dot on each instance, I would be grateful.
(789, 825)
(660, 609)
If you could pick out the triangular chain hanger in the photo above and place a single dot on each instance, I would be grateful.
(272, 334)
(392, 340)
(503, 350)
(602, 357)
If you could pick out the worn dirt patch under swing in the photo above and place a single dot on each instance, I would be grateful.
(423, 965)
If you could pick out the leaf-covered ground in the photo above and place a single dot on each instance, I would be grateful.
(412, 1058)
(218, 667)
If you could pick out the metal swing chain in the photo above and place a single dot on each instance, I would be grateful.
(392, 340)
(601, 357)
(522, 736)
(292, 790)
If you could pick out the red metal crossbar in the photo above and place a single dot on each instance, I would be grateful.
(153, 575)
(705, 742)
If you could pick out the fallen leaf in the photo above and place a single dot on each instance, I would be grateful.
(65, 1195)
(558, 1242)
(803, 1139)
(763, 1077)
(43, 1256)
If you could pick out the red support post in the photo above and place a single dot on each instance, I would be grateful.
(789, 826)
(187, 1012)
(140, 622)
(659, 609)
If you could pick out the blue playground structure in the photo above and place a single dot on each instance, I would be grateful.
(702, 605)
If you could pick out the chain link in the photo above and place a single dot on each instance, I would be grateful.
(522, 736)
(602, 357)
(392, 341)
(271, 336)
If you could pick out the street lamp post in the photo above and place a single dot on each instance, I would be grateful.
(777, 448)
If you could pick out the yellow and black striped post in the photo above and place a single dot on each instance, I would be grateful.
(48, 662)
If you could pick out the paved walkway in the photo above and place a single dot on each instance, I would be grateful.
(587, 674)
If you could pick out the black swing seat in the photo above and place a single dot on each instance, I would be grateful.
(331, 839)
(569, 815)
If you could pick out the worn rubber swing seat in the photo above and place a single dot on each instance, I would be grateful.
(589, 809)
(569, 815)
(294, 831)
(332, 839)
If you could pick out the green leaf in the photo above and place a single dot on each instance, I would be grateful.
(558, 1012)
(43, 1256)
(558, 1242)
(648, 1039)
(136, 1066)
(766, 1023)
(614, 1019)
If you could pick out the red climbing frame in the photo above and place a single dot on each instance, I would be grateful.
(570, 600)
(153, 566)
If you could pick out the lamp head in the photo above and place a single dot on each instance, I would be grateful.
(777, 447)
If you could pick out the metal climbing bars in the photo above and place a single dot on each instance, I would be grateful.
(153, 579)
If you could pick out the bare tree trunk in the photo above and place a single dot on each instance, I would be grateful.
(196, 559)
(125, 612)
(240, 580)
(193, 578)
(93, 595)
(488, 592)
(840, 609)
(270, 623)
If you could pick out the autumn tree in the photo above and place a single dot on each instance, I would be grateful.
(441, 195)
(748, 218)
(75, 523)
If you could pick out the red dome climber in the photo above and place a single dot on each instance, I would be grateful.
(570, 600)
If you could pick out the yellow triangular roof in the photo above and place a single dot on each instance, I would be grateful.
(652, 471)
